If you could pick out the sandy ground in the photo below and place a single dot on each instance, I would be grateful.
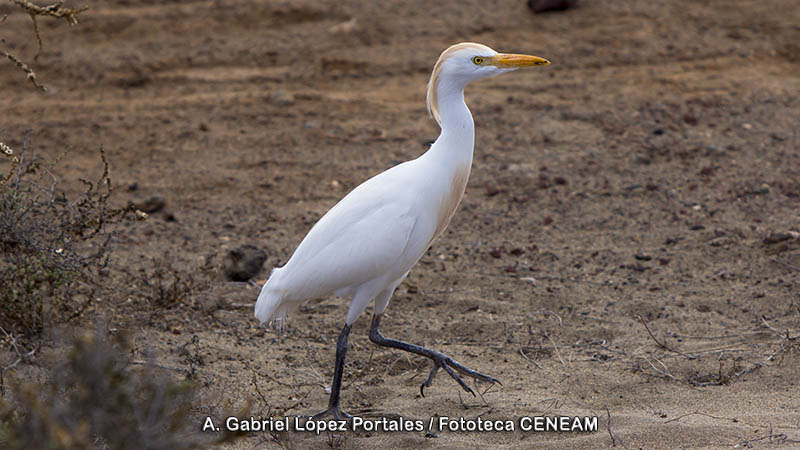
(630, 188)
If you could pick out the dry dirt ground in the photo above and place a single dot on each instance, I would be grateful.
(635, 186)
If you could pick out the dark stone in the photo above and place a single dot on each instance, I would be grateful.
(243, 263)
(776, 237)
(540, 6)
(153, 204)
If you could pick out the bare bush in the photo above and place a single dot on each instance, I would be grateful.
(52, 248)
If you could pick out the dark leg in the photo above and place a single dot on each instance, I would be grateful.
(336, 386)
(439, 359)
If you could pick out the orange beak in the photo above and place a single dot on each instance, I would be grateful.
(513, 61)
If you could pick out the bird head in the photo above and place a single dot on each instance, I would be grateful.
(465, 62)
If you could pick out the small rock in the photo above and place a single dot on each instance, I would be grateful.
(641, 257)
(491, 191)
(281, 98)
(540, 6)
(151, 205)
(344, 27)
(776, 237)
(761, 190)
(720, 241)
(707, 171)
(243, 263)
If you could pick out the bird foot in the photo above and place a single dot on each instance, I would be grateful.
(333, 412)
(442, 361)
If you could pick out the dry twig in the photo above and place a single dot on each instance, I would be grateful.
(30, 73)
(664, 372)
(661, 344)
(786, 264)
(55, 10)
(779, 437)
(558, 353)
(608, 427)
(698, 413)
(522, 352)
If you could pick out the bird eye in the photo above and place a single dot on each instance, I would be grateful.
(477, 60)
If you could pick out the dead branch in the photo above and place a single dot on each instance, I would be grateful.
(661, 344)
(780, 437)
(698, 413)
(9, 153)
(545, 312)
(777, 332)
(786, 264)
(22, 66)
(558, 353)
(522, 352)
(664, 373)
(55, 10)
(608, 427)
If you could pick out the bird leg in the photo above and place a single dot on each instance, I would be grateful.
(336, 386)
(440, 360)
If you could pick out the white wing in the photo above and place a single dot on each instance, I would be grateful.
(378, 231)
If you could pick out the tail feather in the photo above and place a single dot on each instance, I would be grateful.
(271, 306)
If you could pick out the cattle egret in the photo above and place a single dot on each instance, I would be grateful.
(367, 243)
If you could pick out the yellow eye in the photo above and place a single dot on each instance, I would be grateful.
(477, 60)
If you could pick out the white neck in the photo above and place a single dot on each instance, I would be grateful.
(457, 139)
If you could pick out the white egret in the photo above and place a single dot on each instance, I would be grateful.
(367, 243)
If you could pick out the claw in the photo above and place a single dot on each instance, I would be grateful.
(448, 364)
(429, 381)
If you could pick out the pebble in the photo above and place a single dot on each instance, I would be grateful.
(243, 263)
(281, 98)
(776, 237)
(540, 6)
(151, 205)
